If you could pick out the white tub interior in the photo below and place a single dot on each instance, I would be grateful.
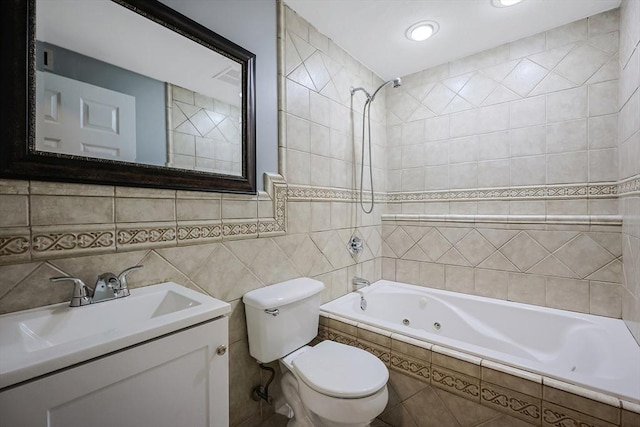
(594, 352)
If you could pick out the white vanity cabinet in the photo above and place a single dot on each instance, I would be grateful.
(179, 379)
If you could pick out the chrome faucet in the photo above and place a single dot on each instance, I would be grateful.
(107, 287)
(359, 282)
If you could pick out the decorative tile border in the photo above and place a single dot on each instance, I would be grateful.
(531, 409)
(410, 366)
(615, 220)
(51, 241)
(629, 187)
(14, 245)
(516, 404)
(190, 233)
(20, 244)
(145, 235)
(303, 193)
(569, 191)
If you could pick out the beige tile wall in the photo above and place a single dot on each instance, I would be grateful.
(575, 267)
(225, 245)
(538, 111)
(629, 163)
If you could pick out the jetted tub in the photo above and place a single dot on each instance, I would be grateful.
(595, 352)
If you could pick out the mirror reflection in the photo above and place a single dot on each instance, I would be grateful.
(114, 85)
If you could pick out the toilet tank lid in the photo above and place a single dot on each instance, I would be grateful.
(283, 293)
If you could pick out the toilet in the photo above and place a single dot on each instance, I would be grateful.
(328, 385)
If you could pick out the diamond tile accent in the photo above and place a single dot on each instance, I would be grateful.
(553, 267)
(474, 247)
(523, 251)
(497, 261)
(453, 257)
(434, 244)
(438, 98)
(400, 242)
(524, 77)
(317, 70)
(477, 89)
(416, 254)
(583, 255)
(551, 58)
(497, 237)
(581, 63)
(454, 234)
(552, 240)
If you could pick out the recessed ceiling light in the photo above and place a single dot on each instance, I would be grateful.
(422, 30)
(505, 3)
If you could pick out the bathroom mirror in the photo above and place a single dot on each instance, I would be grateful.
(125, 92)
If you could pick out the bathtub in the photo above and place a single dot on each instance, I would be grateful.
(593, 352)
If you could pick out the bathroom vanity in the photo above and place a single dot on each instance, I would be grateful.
(168, 367)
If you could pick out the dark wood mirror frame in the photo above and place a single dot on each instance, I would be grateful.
(19, 160)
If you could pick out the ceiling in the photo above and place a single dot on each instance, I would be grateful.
(373, 31)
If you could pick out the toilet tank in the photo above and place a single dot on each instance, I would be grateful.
(282, 317)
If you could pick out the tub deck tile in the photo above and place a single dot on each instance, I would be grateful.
(369, 333)
(519, 384)
(460, 362)
(350, 328)
(630, 419)
(569, 399)
(419, 352)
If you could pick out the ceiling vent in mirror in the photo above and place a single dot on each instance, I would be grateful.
(230, 75)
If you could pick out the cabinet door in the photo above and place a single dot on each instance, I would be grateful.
(176, 380)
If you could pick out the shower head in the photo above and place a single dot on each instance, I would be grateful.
(397, 82)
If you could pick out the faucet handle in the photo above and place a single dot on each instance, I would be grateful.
(80, 296)
(123, 288)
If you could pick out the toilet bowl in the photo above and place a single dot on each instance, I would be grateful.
(336, 384)
(328, 385)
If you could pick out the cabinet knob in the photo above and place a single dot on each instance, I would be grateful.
(222, 349)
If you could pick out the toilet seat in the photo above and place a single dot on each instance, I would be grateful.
(342, 371)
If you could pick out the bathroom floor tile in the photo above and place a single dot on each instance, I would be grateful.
(276, 420)
(466, 412)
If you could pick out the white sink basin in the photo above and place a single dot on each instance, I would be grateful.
(42, 340)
